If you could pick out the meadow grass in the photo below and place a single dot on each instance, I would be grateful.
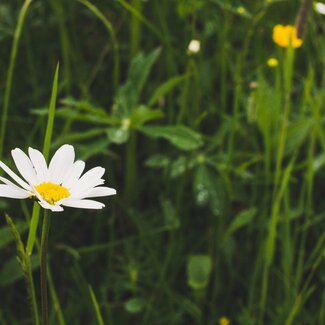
(217, 158)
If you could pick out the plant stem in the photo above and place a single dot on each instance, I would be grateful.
(31, 290)
(45, 233)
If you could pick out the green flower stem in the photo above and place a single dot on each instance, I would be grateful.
(31, 290)
(44, 240)
(279, 186)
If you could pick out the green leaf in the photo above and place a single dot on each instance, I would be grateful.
(134, 305)
(83, 106)
(143, 114)
(180, 136)
(297, 133)
(209, 190)
(128, 95)
(170, 214)
(70, 113)
(158, 161)
(198, 271)
(242, 219)
(94, 148)
(73, 137)
(165, 88)
(118, 135)
(11, 272)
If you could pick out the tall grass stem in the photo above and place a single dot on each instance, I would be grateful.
(11, 68)
(44, 244)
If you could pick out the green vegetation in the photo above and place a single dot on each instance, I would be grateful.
(217, 158)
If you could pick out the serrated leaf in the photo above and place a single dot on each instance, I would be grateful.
(180, 136)
(198, 271)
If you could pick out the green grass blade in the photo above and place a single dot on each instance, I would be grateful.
(46, 151)
(12, 62)
(96, 306)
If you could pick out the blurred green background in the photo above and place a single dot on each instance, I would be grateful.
(217, 158)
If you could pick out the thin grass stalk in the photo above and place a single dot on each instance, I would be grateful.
(99, 317)
(131, 169)
(223, 62)
(135, 29)
(288, 70)
(272, 235)
(46, 151)
(24, 261)
(139, 16)
(44, 244)
(64, 40)
(185, 92)
(31, 290)
(56, 303)
(310, 183)
(11, 68)
(115, 46)
(235, 112)
(54, 296)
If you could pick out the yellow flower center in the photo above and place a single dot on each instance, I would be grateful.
(51, 192)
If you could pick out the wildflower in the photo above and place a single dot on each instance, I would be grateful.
(224, 321)
(194, 46)
(286, 35)
(241, 10)
(320, 8)
(58, 184)
(272, 62)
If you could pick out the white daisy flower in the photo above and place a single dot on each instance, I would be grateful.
(319, 7)
(59, 184)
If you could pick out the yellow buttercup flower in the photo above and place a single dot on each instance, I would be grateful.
(272, 62)
(224, 321)
(284, 35)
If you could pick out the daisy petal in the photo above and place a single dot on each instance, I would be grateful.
(75, 172)
(24, 165)
(98, 191)
(83, 204)
(13, 192)
(39, 163)
(54, 208)
(8, 182)
(60, 163)
(14, 176)
(90, 179)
